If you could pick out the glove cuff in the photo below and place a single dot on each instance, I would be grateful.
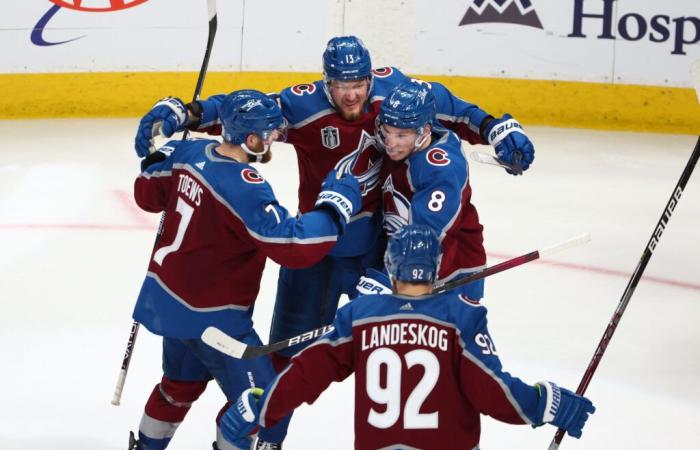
(500, 130)
(552, 400)
(209, 114)
(338, 202)
(176, 106)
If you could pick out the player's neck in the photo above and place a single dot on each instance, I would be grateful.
(232, 151)
(411, 289)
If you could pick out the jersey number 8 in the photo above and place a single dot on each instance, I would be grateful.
(390, 394)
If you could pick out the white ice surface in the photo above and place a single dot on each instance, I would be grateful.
(73, 250)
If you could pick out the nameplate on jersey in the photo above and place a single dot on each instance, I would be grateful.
(330, 137)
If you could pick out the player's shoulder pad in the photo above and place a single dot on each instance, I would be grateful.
(183, 151)
(240, 185)
(442, 158)
(303, 103)
(384, 80)
(467, 314)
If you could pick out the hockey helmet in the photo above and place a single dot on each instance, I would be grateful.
(346, 58)
(249, 111)
(412, 254)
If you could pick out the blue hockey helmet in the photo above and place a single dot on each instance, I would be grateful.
(346, 58)
(408, 105)
(248, 111)
(412, 254)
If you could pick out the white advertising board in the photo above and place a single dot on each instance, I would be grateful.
(614, 41)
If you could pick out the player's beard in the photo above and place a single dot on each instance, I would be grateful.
(351, 115)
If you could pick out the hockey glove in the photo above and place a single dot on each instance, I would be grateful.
(241, 418)
(563, 408)
(510, 142)
(373, 282)
(341, 195)
(167, 116)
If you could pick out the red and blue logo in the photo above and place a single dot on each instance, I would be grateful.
(37, 36)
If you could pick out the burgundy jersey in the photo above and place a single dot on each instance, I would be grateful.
(431, 187)
(323, 140)
(425, 370)
(222, 221)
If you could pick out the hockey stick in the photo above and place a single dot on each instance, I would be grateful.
(486, 158)
(219, 340)
(639, 270)
(211, 12)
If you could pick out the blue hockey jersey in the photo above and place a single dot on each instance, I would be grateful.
(222, 221)
(323, 140)
(425, 369)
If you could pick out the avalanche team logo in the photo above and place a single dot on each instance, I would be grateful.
(364, 162)
(303, 89)
(251, 176)
(437, 157)
(519, 12)
(37, 37)
(397, 208)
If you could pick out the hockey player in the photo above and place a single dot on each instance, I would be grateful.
(222, 222)
(332, 123)
(425, 180)
(425, 367)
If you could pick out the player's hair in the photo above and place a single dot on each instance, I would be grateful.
(412, 254)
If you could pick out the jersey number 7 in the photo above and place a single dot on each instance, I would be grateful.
(185, 212)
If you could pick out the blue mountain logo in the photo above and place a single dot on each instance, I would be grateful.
(519, 12)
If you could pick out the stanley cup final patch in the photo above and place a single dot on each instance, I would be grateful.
(330, 137)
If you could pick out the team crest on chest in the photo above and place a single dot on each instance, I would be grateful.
(330, 137)
(397, 208)
(365, 163)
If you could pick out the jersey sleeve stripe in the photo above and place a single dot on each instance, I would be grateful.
(267, 239)
(506, 391)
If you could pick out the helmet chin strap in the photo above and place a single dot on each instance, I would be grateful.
(420, 140)
(252, 156)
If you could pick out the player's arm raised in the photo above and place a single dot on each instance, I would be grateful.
(153, 184)
(298, 241)
(476, 126)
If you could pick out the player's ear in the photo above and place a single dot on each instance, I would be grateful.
(251, 140)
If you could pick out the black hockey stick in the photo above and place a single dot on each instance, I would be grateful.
(211, 11)
(639, 270)
(219, 340)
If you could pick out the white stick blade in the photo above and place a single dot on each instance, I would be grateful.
(222, 342)
(485, 158)
(573, 242)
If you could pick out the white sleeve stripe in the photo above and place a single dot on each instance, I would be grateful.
(509, 395)
(259, 237)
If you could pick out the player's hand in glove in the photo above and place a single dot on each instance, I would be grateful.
(511, 144)
(563, 408)
(167, 116)
(373, 282)
(341, 195)
(241, 418)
